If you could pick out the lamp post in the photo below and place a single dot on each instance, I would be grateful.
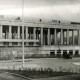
(22, 33)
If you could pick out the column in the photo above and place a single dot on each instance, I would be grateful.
(48, 36)
(0, 31)
(61, 53)
(9, 32)
(78, 37)
(15, 35)
(67, 51)
(62, 36)
(34, 35)
(29, 33)
(37, 34)
(18, 35)
(55, 37)
(6, 33)
(18, 32)
(73, 36)
(73, 52)
(55, 52)
(79, 52)
(67, 37)
(26, 35)
(10, 43)
(41, 36)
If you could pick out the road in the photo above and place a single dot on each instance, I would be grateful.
(9, 76)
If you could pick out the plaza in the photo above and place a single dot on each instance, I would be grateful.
(65, 65)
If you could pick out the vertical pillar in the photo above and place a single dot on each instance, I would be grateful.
(73, 36)
(1, 29)
(55, 36)
(61, 53)
(78, 37)
(61, 36)
(15, 33)
(18, 32)
(44, 37)
(79, 52)
(41, 36)
(55, 52)
(26, 32)
(9, 32)
(34, 35)
(26, 35)
(48, 36)
(67, 51)
(67, 37)
(10, 43)
(29, 33)
(18, 35)
(6, 33)
(73, 52)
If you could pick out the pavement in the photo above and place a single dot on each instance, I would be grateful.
(56, 64)
(68, 77)
(9, 76)
(73, 65)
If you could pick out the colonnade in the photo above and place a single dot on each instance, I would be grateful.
(40, 35)
(62, 38)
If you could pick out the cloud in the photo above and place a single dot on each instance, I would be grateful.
(51, 9)
(40, 3)
(36, 3)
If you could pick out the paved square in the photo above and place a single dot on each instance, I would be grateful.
(56, 64)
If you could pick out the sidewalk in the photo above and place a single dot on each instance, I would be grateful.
(68, 77)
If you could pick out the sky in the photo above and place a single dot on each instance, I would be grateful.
(68, 10)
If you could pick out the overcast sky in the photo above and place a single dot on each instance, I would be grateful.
(50, 9)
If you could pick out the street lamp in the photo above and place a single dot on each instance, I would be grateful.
(22, 33)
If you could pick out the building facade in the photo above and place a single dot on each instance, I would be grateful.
(40, 38)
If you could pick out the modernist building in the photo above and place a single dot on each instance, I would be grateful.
(40, 38)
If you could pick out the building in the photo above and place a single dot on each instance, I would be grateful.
(40, 38)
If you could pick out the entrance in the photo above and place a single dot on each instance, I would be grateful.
(71, 52)
(76, 53)
(64, 53)
(59, 53)
(52, 53)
